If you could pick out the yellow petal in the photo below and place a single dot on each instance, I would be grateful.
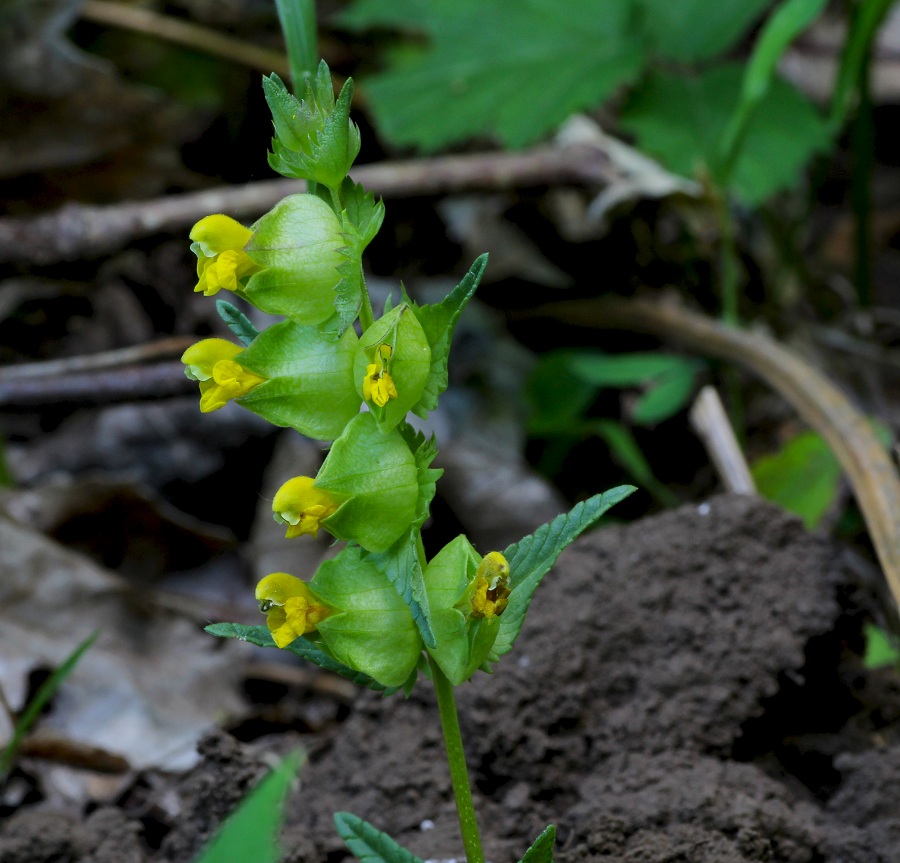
(291, 608)
(219, 233)
(302, 506)
(202, 357)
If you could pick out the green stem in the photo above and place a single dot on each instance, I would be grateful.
(728, 264)
(459, 774)
(298, 24)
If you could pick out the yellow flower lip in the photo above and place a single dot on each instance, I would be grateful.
(218, 242)
(291, 608)
(302, 506)
(211, 362)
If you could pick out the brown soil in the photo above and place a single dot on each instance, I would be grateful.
(682, 691)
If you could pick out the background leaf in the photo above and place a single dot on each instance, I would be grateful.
(515, 70)
(541, 850)
(251, 831)
(530, 559)
(692, 30)
(681, 119)
(368, 844)
(803, 477)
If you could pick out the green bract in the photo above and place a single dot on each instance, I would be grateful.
(309, 384)
(374, 631)
(377, 474)
(463, 644)
(409, 365)
(314, 138)
(300, 243)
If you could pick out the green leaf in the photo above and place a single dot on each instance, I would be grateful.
(237, 322)
(438, 322)
(374, 631)
(692, 30)
(882, 649)
(302, 647)
(541, 850)
(377, 474)
(557, 395)
(624, 370)
(803, 477)
(409, 365)
(626, 452)
(512, 70)
(45, 692)
(670, 393)
(400, 565)
(300, 245)
(681, 119)
(251, 831)
(309, 386)
(530, 559)
(369, 845)
(788, 22)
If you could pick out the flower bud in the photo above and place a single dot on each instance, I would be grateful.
(491, 589)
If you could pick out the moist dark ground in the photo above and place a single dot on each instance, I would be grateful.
(686, 688)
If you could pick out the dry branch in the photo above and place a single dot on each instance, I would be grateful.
(78, 231)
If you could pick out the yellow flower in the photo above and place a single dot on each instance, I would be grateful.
(302, 506)
(211, 362)
(218, 243)
(492, 589)
(291, 608)
(378, 385)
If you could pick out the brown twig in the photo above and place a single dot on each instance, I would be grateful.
(80, 231)
(815, 398)
(167, 347)
(98, 387)
(186, 33)
(711, 424)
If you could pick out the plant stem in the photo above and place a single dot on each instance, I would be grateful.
(862, 145)
(298, 24)
(459, 774)
(366, 314)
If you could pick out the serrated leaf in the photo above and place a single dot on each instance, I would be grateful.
(237, 322)
(530, 559)
(251, 831)
(512, 70)
(400, 565)
(541, 850)
(693, 30)
(302, 647)
(438, 322)
(309, 380)
(368, 844)
(377, 475)
(681, 119)
(424, 452)
(363, 212)
(803, 477)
